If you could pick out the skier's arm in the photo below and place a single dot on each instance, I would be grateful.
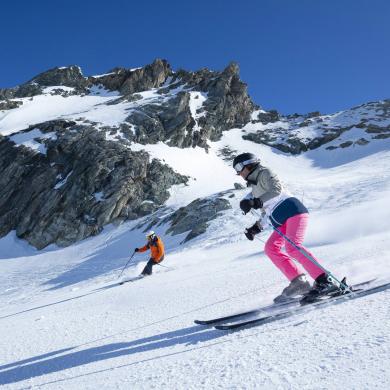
(144, 248)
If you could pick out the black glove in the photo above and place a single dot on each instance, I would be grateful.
(247, 204)
(252, 231)
(136, 250)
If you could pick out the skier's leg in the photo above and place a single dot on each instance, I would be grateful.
(148, 268)
(273, 249)
(295, 231)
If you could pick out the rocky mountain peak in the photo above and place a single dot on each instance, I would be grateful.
(232, 70)
(130, 81)
(69, 76)
(73, 176)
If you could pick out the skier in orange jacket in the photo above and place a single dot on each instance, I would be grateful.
(156, 247)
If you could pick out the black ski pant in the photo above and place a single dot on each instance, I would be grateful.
(149, 265)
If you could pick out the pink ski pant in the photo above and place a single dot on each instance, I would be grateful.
(294, 228)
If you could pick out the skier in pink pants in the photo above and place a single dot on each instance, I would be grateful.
(290, 217)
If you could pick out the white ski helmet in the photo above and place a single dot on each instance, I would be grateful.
(150, 235)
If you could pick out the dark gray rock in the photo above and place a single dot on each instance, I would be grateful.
(10, 104)
(371, 128)
(346, 144)
(170, 120)
(25, 90)
(194, 217)
(70, 76)
(227, 105)
(271, 116)
(313, 114)
(83, 183)
(128, 81)
(382, 136)
(289, 141)
(67, 76)
(362, 141)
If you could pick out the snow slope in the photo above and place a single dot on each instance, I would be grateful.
(65, 324)
(99, 107)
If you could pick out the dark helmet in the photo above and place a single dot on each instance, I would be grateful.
(244, 159)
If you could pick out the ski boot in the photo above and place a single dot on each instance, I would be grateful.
(298, 286)
(323, 286)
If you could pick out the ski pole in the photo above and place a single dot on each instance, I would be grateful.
(126, 264)
(164, 266)
(342, 285)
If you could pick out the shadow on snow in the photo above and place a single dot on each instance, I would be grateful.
(113, 256)
(50, 363)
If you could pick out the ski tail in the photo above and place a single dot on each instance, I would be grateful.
(226, 318)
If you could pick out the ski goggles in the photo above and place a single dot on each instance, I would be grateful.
(241, 165)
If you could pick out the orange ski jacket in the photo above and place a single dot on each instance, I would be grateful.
(156, 248)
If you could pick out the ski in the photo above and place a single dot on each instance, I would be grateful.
(248, 313)
(272, 307)
(213, 321)
(131, 280)
(358, 293)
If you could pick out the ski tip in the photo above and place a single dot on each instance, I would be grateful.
(223, 327)
(206, 322)
(200, 322)
(130, 280)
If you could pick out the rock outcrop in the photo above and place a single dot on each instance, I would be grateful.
(195, 217)
(296, 133)
(192, 219)
(70, 76)
(82, 183)
(75, 176)
(130, 81)
(226, 105)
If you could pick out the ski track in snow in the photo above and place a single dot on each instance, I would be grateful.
(66, 324)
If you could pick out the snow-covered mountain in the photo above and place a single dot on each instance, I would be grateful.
(85, 156)
(76, 147)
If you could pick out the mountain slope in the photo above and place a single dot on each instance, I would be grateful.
(69, 325)
(66, 142)
(65, 323)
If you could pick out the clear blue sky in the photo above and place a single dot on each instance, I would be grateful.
(295, 55)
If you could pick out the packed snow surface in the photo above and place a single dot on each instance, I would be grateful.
(65, 323)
